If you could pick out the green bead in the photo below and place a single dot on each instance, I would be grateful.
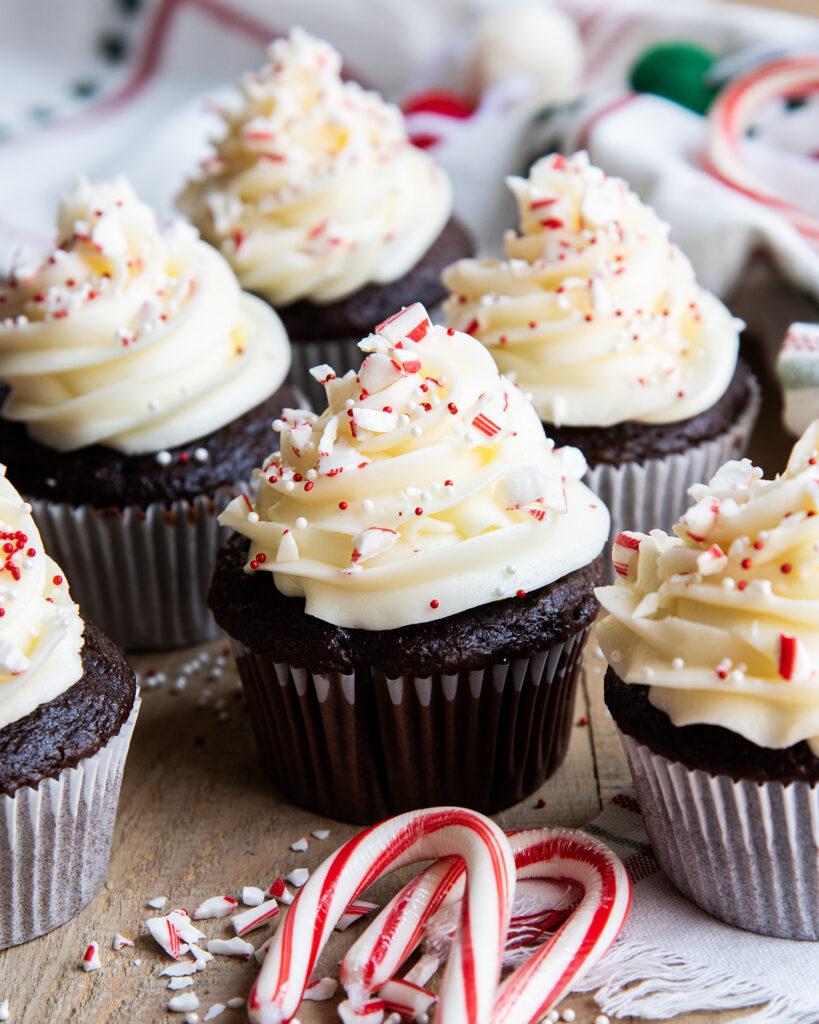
(676, 71)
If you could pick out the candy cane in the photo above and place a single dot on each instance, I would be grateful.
(564, 855)
(550, 857)
(732, 112)
(468, 987)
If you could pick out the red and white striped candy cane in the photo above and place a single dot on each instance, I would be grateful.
(375, 957)
(731, 114)
(468, 987)
(567, 856)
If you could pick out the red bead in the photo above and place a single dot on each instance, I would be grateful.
(786, 567)
(450, 331)
(254, 564)
(184, 457)
(520, 593)
(419, 511)
(57, 581)
(758, 545)
(31, 552)
(387, 408)
(433, 603)
(261, 557)
(448, 483)
(309, 485)
(298, 477)
(746, 563)
(453, 408)
(742, 584)
(342, 505)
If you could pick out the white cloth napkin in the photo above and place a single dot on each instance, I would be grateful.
(672, 958)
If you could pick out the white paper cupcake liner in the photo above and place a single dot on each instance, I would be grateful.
(746, 852)
(342, 354)
(362, 747)
(140, 574)
(55, 840)
(652, 495)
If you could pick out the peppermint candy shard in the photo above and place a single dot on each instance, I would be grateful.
(411, 323)
(375, 540)
(216, 906)
(370, 1013)
(712, 561)
(625, 554)
(321, 990)
(231, 947)
(91, 957)
(793, 662)
(354, 912)
(254, 917)
(409, 1001)
(322, 373)
(377, 372)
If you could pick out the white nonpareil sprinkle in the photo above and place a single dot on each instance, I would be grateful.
(299, 846)
(252, 896)
(158, 902)
(201, 454)
(214, 1011)
(177, 983)
(601, 1018)
(568, 1015)
(298, 877)
(320, 833)
(163, 458)
(182, 1004)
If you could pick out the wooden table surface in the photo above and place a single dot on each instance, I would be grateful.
(197, 818)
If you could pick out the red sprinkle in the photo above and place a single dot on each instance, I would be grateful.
(387, 408)
(520, 593)
(261, 557)
(419, 511)
(541, 803)
(448, 483)
(758, 545)
(584, 720)
(57, 581)
(433, 603)
(184, 457)
(254, 564)
(453, 408)
(450, 331)
(786, 567)
(742, 584)
(309, 485)
(342, 505)
(746, 563)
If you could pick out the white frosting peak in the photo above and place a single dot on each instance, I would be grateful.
(722, 620)
(132, 337)
(315, 190)
(419, 489)
(40, 626)
(594, 311)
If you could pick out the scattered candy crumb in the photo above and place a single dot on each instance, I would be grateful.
(5, 1013)
(183, 1003)
(300, 845)
(120, 941)
(214, 1011)
(158, 902)
(252, 896)
(91, 957)
(320, 833)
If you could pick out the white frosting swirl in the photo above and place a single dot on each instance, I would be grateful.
(722, 621)
(130, 337)
(426, 487)
(315, 190)
(40, 626)
(595, 312)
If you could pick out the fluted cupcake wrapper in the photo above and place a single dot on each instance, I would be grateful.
(746, 852)
(362, 747)
(140, 574)
(653, 494)
(55, 839)
(342, 354)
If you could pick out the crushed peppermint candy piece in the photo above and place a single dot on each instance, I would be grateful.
(254, 917)
(411, 323)
(261, 952)
(712, 561)
(5, 1013)
(280, 891)
(236, 1003)
(120, 941)
(180, 982)
(371, 542)
(298, 877)
(408, 1000)
(625, 553)
(158, 902)
(184, 1003)
(180, 970)
(214, 1011)
(216, 906)
(252, 896)
(201, 956)
(91, 957)
(378, 371)
(231, 947)
(320, 833)
(423, 969)
(370, 1013)
(321, 990)
(300, 845)
(322, 373)
(792, 658)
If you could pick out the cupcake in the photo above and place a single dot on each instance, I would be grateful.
(322, 205)
(68, 704)
(599, 317)
(141, 383)
(410, 593)
(713, 650)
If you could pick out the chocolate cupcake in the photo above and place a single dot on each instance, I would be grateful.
(141, 383)
(68, 704)
(598, 315)
(713, 685)
(417, 587)
(322, 205)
